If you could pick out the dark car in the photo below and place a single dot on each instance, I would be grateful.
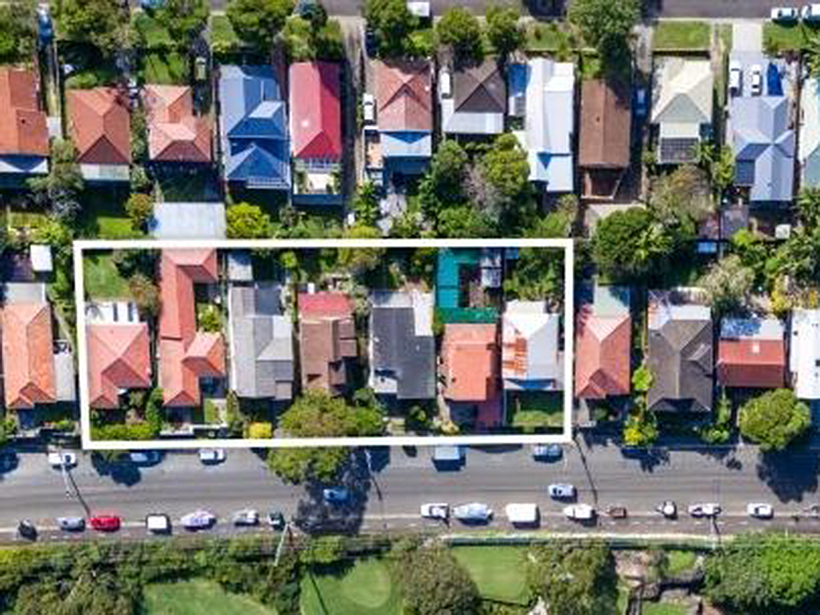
(276, 520)
(27, 530)
(371, 41)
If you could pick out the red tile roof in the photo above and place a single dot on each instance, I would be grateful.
(315, 110)
(327, 336)
(602, 355)
(470, 354)
(324, 304)
(23, 129)
(404, 95)
(100, 126)
(118, 358)
(28, 355)
(175, 134)
(751, 363)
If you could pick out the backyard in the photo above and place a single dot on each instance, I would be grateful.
(195, 597)
(533, 410)
(363, 588)
(680, 35)
(102, 280)
(497, 571)
(103, 216)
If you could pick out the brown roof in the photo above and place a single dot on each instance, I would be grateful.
(751, 363)
(480, 89)
(404, 95)
(327, 337)
(23, 129)
(602, 355)
(100, 126)
(28, 355)
(605, 126)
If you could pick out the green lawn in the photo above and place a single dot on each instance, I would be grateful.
(26, 219)
(778, 38)
(363, 589)
(197, 597)
(663, 608)
(103, 214)
(497, 571)
(547, 37)
(673, 35)
(150, 31)
(102, 280)
(680, 561)
(223, 36)
(535, 409)
(165, 68)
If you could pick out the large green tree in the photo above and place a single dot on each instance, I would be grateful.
(361, 260)
(434, 583)
(728, 284)
(102, 23)
(773, 420)
(443, 186)
(246, 221)
(17, 30)
(393, 23)
(184, 19)
(61, 188)
(605, 25)
(461, 30)
(503, 30)
(259, 21)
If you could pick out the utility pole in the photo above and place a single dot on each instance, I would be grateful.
(64, 472)
(279, 547)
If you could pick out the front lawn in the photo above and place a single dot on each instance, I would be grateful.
(548, 37)
(497, 571)
(102, 280)
(536, 409)
(26, 219)
(364, 588)
(674, 35)
(779, 38)
(196, 597)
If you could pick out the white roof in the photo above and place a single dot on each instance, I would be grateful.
(804, 359)
(469, 123)
(683, 91)
(809, 120)
(40, 258)
(529, 319)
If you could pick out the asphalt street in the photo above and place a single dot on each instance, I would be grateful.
(400, 483)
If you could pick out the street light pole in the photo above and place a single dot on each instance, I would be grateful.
(64, 472)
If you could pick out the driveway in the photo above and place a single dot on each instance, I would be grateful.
(747, 36)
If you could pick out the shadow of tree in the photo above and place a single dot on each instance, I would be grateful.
(121, 472)
(789, 474)
(647, 458)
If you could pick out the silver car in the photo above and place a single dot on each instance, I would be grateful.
(474, 512)
(561, 491)
(71, 524)
(246, 517)
(198, 520)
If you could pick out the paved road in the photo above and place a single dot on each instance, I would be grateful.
(603, 475)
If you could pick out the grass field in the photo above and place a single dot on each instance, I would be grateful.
(102, 280)
(363, 589)
(197, 597)
(548, 37)
(497, 571)
(671, 35)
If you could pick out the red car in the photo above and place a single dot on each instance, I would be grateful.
(105, 523)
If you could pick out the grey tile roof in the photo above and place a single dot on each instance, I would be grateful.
(399, 354)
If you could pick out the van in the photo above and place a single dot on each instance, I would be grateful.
(522, 514)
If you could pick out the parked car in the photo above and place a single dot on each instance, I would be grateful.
(211, 456)
(198, 520)
(371, 41)
(276, 520)
(579, 512)
(561, 491)
(105, 523)
(26, 529)
(522, 514)
(547, 452)
(708, 509)
(784, 14)
(668, 509)
(71, 524)
(474, 512)
(246, 517)
(435, 511)
(145, 458)
(158, 523)
(735, 77)
(368, 108)
(756, 80)
(57, 460)
(760, 510)
(45, 27)
(335, 495)
(810, 12)
(641, 103)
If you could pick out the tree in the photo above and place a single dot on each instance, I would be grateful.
(304, 465)
(392, 22)
(18, 32)
(246, 221)
(460, 29)
(366, 204)
(506, 168)
(774, 420)
(728, 284)
(61, 188)
(146, 295)
(682, 196)
(574, 579)
(259, 21)
(434, 583)
(184, 19)
(604, 24)
(140, 208)
(260, 431)
(640, 429)
(360, 260)
(464, 222)
(720, 430)
(443, 186)
(808, 207)
(100, 22)
(503, 30)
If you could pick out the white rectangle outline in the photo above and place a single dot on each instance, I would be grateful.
(81, 246)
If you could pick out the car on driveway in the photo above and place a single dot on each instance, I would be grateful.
(579, 512)
(368, 108)
(105, 523)
(476, 512)
(246, 517)
(198, 520)
(276, 520)
(707, 509)
(756, 80)
(735, 77)
(760, 510)
(435, 511)
(211, 456)
(784, 14)
(335, 495)
(145, 458)
(547, 452)
(561, 491)
(57, 460)
(71, 524)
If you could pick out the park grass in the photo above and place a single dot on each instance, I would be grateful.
(497, 572)
(680, 561)
(102, 280)
(675, 35)
(536, 409)
(165, 68)
(780, 38)
(195, 597)
(364, 588)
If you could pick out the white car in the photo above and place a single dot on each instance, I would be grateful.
(756, 81)
(158, 523)
(246, 518)
(57, 460)
(708, 509)
(760, 510)
(784, 14)
(668, 509)
(735, 76)
(579, 512)
(561, 491)
(435, 511)
(368, 108)
(198, 520)
(475, 512)
(212, 455)
(810, 12)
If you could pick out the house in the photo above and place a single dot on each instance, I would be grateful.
(603, 332)
(99, 124)
(23, 129)
(809, 142)
(681, 357)
(547, 89)
(118, 359)
(804, 353)
(605, 136)
(531, 358)
(473, 99)
(751, 353)
(402, 347)
(261, 335)
(681, 107)
(327, 340)
(175, 134)
(253, 128)
(404, 102)
(28, 355)
(186, 355)
(316, 130)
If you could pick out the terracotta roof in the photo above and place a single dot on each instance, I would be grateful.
(100, 126)
(327, 336)
(480, 89)
(175, 134)
(28, 355)
(23, 129)
(315, 110)
(605, 129)
(470, 353)
(602, 355)
(118, 358)
(325, 304)
(751, 363)
(404, 96)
